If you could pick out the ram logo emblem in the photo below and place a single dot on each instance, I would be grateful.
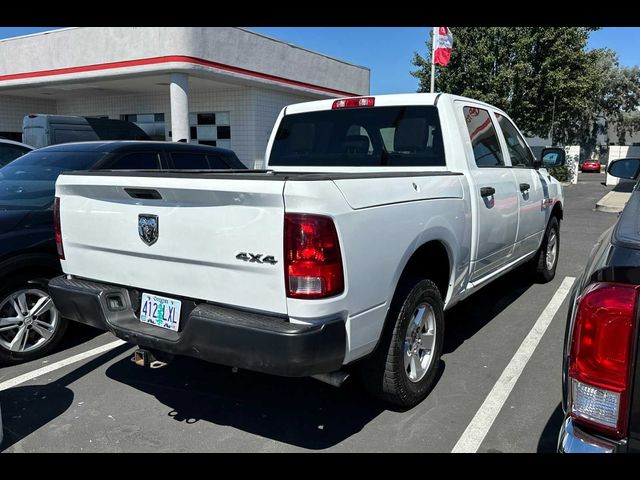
(148, 228)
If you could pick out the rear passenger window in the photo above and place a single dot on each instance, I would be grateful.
(137, 161)
(486, 148)
(519, 151)
(190, 161)
(217, 161)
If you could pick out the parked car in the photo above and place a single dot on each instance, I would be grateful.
(30, 326)
(600, 375)
(10, 150)
(375, 215)
(41, 130)
(590, 166)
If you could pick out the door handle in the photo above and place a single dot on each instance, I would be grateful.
(487, 191)
(524, 187)
(143, 193)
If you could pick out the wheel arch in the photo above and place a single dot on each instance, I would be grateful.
(39, 263)
(557, 211)
(432, 257)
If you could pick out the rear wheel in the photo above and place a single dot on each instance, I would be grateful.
(546, 260)
(30, 325)
(403, 369)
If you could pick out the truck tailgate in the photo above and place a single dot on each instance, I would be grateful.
(203, 225)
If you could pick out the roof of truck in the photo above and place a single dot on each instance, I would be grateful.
(395, 99)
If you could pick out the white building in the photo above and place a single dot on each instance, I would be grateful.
(219, 86)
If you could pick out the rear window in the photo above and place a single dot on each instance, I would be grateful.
(29, 182)
(407, 136)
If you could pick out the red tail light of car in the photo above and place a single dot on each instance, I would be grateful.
(601, 356)
(313, 265)
(57, 228)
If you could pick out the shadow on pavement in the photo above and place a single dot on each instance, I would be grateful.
(25, 409)
(549, 438)
(469, 317)
(77, 334)
(297, 411)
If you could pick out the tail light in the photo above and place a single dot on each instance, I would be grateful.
(57, 229)
(601, 357)
(354, 102)
(313, 265)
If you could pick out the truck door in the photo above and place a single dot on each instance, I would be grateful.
(531, 188)
(494, 192)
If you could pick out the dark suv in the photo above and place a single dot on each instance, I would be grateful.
(29, 324)
(600, 377)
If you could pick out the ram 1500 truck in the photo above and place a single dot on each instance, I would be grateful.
(374, 215)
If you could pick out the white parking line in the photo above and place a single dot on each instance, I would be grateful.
(472, 438)
(57, 365)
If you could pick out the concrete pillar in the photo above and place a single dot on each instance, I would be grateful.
(179, 93)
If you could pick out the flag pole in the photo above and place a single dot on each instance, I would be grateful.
(433, 55)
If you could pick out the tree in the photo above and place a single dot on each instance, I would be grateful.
(525, 70)
(620, 96)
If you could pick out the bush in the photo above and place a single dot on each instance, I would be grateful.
(560, 173)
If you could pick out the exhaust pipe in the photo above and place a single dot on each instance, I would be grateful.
(335, 379)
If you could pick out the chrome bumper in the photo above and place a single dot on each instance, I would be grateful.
(574, 440)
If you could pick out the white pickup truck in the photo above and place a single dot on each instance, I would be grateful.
(374, 215)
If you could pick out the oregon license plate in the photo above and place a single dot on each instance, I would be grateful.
(160, 311)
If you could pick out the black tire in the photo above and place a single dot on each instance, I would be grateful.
(541, 271)
(9, 286)
(383, 373)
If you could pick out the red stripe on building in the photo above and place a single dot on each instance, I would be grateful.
(170, 59)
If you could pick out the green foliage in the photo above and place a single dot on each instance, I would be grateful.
(523, 69)
(560, 173)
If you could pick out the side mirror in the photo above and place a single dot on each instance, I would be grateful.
(552, 157)
(625, 168)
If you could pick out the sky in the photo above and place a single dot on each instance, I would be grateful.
(388, 51)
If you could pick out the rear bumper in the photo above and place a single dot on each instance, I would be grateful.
(574, 440)
(212, 333)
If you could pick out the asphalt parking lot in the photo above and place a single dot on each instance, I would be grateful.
(104, 403)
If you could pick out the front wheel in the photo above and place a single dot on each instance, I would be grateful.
(546, 260)
(30, 325)
(403, 369)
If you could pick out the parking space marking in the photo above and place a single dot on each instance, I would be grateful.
(57, 365)
(473, 436)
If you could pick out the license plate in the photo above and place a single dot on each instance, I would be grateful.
(160, 311)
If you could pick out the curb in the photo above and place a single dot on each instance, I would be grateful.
(604, 208)
(605, 204)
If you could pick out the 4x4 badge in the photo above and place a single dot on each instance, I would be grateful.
(256, 258)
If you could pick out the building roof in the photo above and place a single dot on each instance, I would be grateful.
(224, 54)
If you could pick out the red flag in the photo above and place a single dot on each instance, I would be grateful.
(443, 42)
